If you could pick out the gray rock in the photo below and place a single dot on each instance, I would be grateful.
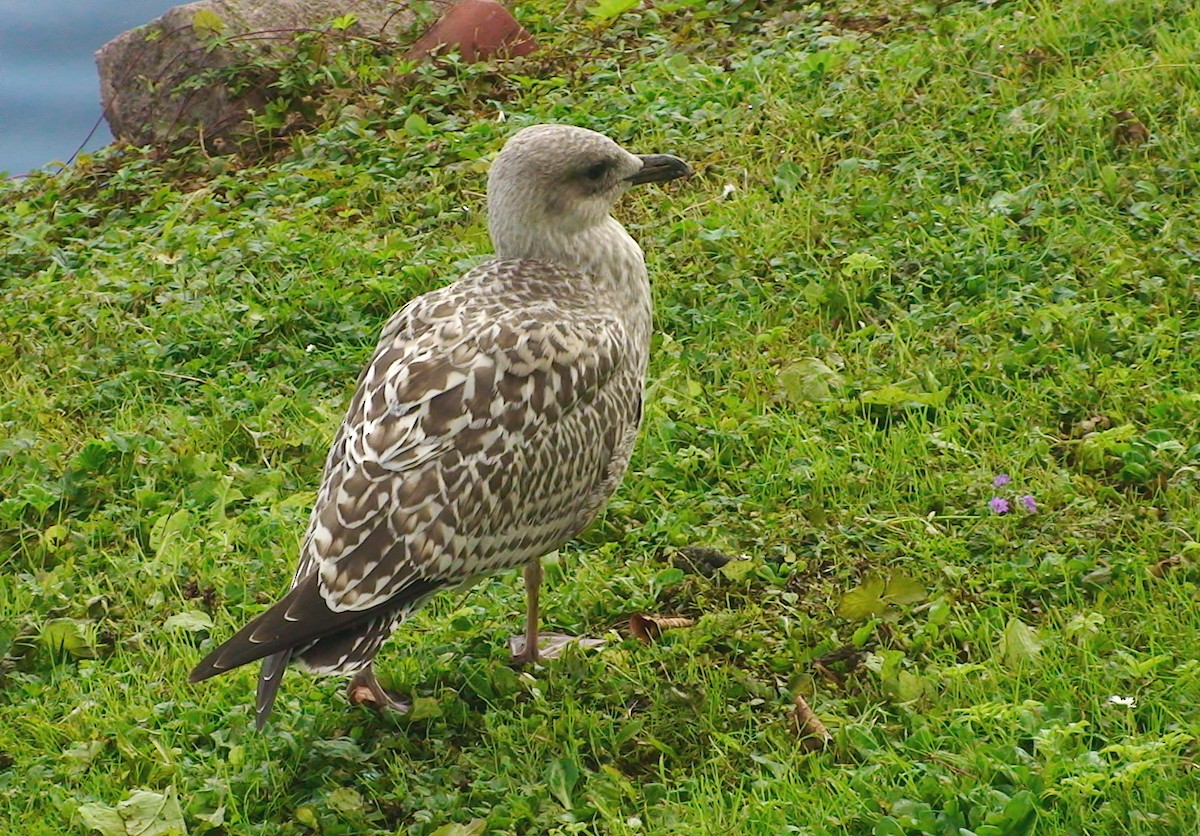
(148, 75)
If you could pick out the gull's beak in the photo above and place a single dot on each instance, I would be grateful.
(657, 168)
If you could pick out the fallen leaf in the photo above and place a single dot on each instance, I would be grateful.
(1129, 129)
(1165, 565)
(148, 813)
(208, 821)
(102, 818)
(808, 726)
(647, 628)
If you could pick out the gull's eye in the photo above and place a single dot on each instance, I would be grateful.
(596, 171)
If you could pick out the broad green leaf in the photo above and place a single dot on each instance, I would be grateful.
(93, 455)
(55, 535)
(1019, 643)
(863, 634)
(417, 126)
(666, 577)
(902, 589)
(561, 777)
(79, 756)
(342, 748)
(916, 814)
(209, 821)
(345, 800)
(788, 177)
(224, 493)
(876, 597)
(809, 380)
(1095, 448)
(739, 569)
(478, 680)
(152, 814)
(102, 818)
(505, 681)
(168, 534)
(908, 686)
(862, 263)
(1019, 814)
(206, 23)
(888, 826)
(864, 601)
(193, 621)
(70, 634)
(898, 397)
(776, 768)
(606, 10)
(425, 708)
(40, 497)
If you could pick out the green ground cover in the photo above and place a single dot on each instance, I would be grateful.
(921, 252)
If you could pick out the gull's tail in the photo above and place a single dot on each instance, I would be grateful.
(268, 685)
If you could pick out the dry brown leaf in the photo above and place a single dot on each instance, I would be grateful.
(812, 732)
(648, 628)
(1129, 129)
(1165, 565)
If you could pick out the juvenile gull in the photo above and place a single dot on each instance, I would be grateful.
(493, 422)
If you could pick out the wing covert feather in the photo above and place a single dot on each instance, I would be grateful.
(442, 401)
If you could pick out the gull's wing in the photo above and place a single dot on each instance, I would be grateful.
(456, 391)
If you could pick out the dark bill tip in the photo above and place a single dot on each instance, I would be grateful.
(658, 168)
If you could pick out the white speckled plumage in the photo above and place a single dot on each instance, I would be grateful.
(494, 420)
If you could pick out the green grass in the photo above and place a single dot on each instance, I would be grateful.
(937, 263)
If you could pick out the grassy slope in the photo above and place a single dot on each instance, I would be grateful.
(935, 202)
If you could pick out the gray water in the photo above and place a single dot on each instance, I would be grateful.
(49, 90)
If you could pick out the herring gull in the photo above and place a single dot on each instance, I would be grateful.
(493, 422)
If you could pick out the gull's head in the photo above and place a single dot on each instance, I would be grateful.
(559, 179)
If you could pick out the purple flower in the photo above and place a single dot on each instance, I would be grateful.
(1000, 506)
(1028, 503)
(1000, 481)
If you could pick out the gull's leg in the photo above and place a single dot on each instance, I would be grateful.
(364, 689)
(525, 648)
(534, 646)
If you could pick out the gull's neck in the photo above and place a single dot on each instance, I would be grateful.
(605, 252)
